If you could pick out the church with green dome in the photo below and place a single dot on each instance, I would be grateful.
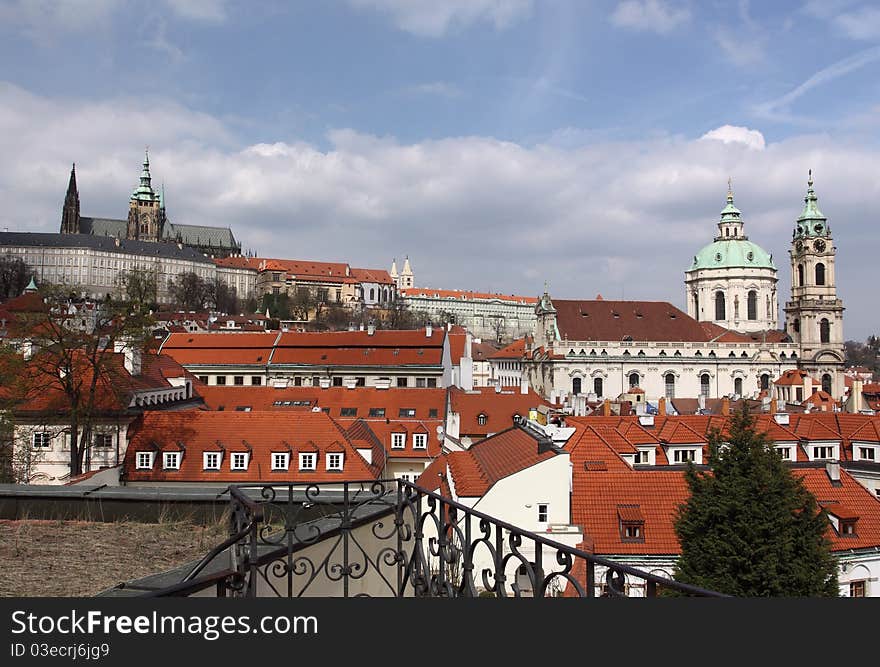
(732, 281)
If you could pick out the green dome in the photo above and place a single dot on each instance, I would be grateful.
(731, 253)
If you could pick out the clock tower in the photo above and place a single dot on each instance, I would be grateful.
(146, 214)
(814, 315)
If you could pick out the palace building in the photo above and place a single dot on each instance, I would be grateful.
(727, 343)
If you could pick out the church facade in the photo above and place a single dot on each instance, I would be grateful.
(147, 221)
(728, 343)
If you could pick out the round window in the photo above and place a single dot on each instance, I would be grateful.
(818, 228)
(717, 256)
(750, 256)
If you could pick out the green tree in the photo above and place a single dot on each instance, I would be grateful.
(750, 528)
(191, 292)
(139, 288)
(14, 276)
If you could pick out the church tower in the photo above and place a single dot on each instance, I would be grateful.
(814, 316)
(406, 275)
(146, 213)
(70, 212)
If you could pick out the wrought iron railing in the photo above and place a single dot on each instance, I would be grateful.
(391, 538)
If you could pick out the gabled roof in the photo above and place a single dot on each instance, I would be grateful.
(498, 407)
(626, 320)
(513, 351)
(464, 295)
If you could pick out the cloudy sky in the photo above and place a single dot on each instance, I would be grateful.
(498, 143)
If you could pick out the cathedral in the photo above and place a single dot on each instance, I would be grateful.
(147, 221)
(728, 343)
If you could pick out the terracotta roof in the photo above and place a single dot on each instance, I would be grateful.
(617, 320)
(464, 295)
(384, 430)
(380, 276)
(477, 469)
(498, 408)
(259, 433)
(482, 351)
(457, 343)
(794, 377)
(434, 477)
(513, 351)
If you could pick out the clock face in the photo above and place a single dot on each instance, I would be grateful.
(820, 245)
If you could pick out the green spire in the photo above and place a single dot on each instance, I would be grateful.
(31, 286)
(145, 190)
(730, 213)
(811, 221)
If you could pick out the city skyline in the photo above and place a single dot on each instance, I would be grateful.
(585, 145)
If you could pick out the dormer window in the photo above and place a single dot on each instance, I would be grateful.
(171, 461)
(867, 453)
(280, 460)
(398, 440)
(406, 412)
(211, 460)
(334, 461)
(307, 460)
(631, 523)
(348, 412)
(144, 461)
(420, 441)
(784, 453)
(848, 528)
(238, 461)
(823, 452)
(482, 418)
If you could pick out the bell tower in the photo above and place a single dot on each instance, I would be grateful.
(814, 315)
(146, 213)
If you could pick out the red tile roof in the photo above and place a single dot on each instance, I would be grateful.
(498, 407)
(260, 433)
(513, 351)
(794, 378)
(464, 295)
(372, 276)
(615, 320)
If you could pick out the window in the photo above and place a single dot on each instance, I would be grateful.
(239, 461)
(171, 460)
(238, 380)
(432, 412)
(334, 461)
(406, 412)
(823, 452)
(398, 440)
(307, 460)
(765, 382)
(632, 531)
(280, 460)
(211, 460)
(360, 382)
(719, 306)
(257, 381)
(848, 528)
(482, 418)
(826, 383)
(401, 382)
(576, 386)
(103, 441)
(337, 382)
(752, 305)
(432, 383)
(221, 379)
(633, 380)
(543, 511)
(683, 455)
(796, 325)
(298, 381)
(642, 456)
(866, 453)
(42, 440)
(820, 273)
(784, 453)
(738, 386)
(348, 412)
(420, 382)
(420, 441)
(800, 275)
(824, 331)
(857, 589)
(316, 381)
(670, 385)
(203, 379)
(704, 385)
(144, 460)
(377, 412)
(597, 387)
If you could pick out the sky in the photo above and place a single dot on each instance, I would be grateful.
(500, 144)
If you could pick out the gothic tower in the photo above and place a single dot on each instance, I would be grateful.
(814, 316)
(146, 213)
(70, 212)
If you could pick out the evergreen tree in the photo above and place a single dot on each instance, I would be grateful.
(750, 528)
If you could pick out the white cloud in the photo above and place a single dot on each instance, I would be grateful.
(863, 24)
(437, 88)
(471, 212)
(212, 11)
(41, 20)
(649, 15)
(434, 18)
(733, 134)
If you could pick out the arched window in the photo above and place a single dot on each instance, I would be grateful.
(738, 386)
(765, 382)
(597, 387)
(576, 386)
(720, 313)
(826, 383)
(670, 385)
(704, 385)
(482, 418)
(820, 273)
(824, 331)
(796, 325)
(372, 294)
(800, 275)
(633, 379)
(696, 305)
(753, 305)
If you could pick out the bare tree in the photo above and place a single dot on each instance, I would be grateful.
(139, 288)
(14, 276)
(191, 292)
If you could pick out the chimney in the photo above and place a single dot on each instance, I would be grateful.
(774, 406)
(350, 383)
(857, 397)
(371, 329)
(701, 402)
(133, 359)
(661, 406)
(523, 386)
(808, 386)
(832, 469)
(725, 406)
(606, 408)
(324, 382)
(362, 326)
(429, 330)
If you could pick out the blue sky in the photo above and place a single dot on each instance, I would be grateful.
(497, 143)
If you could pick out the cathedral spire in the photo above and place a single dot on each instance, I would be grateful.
(70, 211)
